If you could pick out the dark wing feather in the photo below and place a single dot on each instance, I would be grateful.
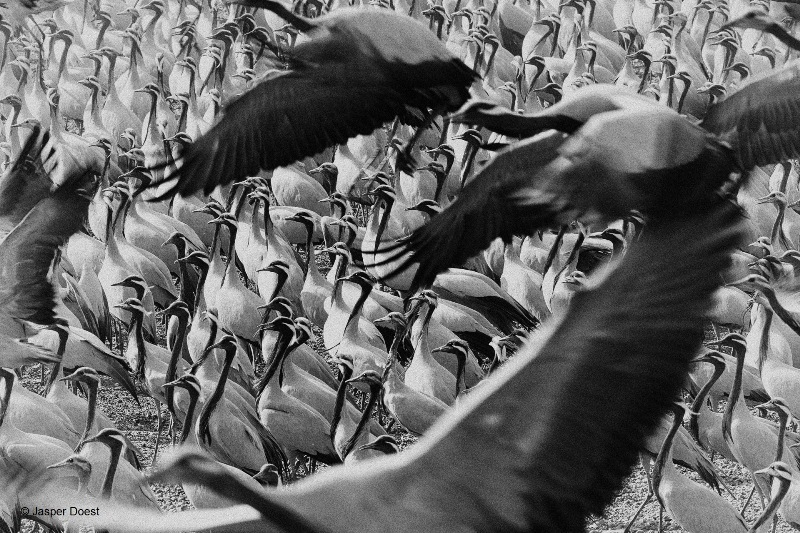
(24, 183)
(548, 181)
(27, 254)
(360, 70)
(761, 120)
(552, 437)
(486, 208)
(280, 121)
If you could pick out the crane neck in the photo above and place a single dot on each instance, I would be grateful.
(187, 421)
(645, 76)
(199, 302)
(183, 272)
(780, 487)
(152, 125)
(352, 319)
(668, 70)
(230, 267)
(62, 63)
(699, 403)
(182, 119)
(783, 419)
(202, 430)
(385, 213)
(467, 162)
(310, 252)
(7, 380)
(94, 105)
(63, 335)
(109, 227)
(52, 379)
(735, 398)
(115, 447)
(212, 335)
(90, 412)
(339, 269)
(341, 393)
(192, 90)
(783, 313)
(175, 355)
(136, 339)
(461, 382)
(366, 416)
(419, 332)
(101, 35)
(275, 362)
(268, 231)
(766, 326)
(778, 233)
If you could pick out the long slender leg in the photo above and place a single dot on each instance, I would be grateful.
(158, 430)
(725, 486)
(639, 509)
(749, 497)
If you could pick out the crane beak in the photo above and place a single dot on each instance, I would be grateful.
(766, 405)
(59, 464)
(381, 321)
(176, 383)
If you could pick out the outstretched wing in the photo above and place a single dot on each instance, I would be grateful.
(761, 120)
(649, 159)
(25, 182)
(552, 436)
(281, 120)
(490, 205)
(28, 252)
(545, 442)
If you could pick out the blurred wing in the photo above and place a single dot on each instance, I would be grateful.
(761, 120)
(550, 439)
(547, 440)
(490, 205)
(548, 180)
(282, 120)
(27, 254)
(24, 183)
